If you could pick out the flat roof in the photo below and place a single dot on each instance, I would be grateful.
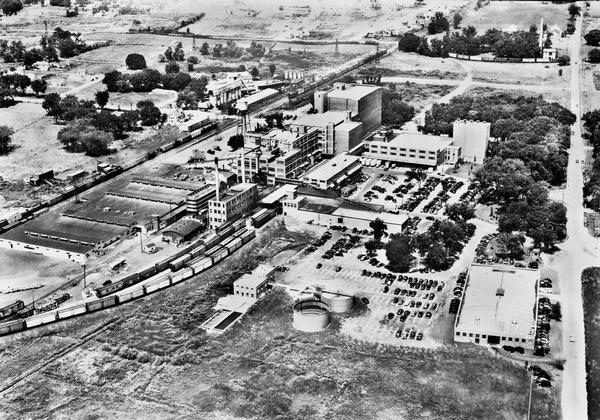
(236, 190)
(279, 193)
(354, 92)
(418, 141)
(332, 167)
(499, 300)
(349, 125)
(257, 277)
(259, 96)
(320, 120)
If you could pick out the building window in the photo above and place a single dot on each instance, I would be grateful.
(509, 338)
(503, 338)
(470, 334)
(457, 333)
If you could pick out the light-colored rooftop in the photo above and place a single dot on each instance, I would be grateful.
(388, 218)
(332, 167)
(279, 193)
(348, 125)
(499, 300)
(320, 120)
(236, 190)
(257, 277)
(419, 141)
(355, 92)
(258, 96)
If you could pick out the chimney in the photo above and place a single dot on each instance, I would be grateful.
(217, 180)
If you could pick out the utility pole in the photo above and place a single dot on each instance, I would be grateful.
(84, 277)
(530, 394)
(141, 247)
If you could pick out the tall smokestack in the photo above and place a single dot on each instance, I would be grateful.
(243, 108)
(217, 180)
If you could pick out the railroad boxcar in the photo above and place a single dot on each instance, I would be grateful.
(130, 294)
(180, 262)
(11, 309)
(202, 264)
(41, 319)
(217, 253)
(98, 304)
(72, 311)
(211, 240)
(181, 275)
(199, 250)
(233, 244)
(248, 236)
(160, 282)
(12, 327)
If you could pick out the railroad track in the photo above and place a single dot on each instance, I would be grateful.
(7, 386)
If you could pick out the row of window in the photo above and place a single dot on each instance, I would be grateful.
(464, 334)
(402, 149)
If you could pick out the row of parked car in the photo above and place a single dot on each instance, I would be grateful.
(341, 246)
(319, 242)
(480, 251)
(542, 336)
(421, 194)
(449, 187)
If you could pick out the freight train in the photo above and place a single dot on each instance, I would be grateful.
(198, 258)
(299, 95)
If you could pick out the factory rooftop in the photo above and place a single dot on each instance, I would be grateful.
(419, 141)
(320, 120)
(500, 300)
(332, 167)
(354, 93)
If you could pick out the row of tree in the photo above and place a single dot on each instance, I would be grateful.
(231, 50)
(147, 80)
(518, 44)
(591, 187)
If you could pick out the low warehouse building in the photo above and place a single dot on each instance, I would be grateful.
(498, 307)
(254, 285)
(182, 230)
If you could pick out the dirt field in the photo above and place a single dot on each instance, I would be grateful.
(412, 65)
(149, 359)
(349, 20)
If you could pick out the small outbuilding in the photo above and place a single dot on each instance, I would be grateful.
(181, 231)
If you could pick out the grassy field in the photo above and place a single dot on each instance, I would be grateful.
(412, 65)
(591, 311)
(516, 15)
(419, 95)
(153, 361)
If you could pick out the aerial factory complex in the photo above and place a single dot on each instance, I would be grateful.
(299, 209)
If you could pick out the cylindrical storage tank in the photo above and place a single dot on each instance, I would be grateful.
(338, 304)
(311, 315)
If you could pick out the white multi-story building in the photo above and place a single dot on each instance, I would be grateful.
(333, 172)
(232, 204)
(473, 138)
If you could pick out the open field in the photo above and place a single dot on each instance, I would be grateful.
(562, 97)
(516, 15)
(312, 19)
(419, 95)
(591, 308)
(520, 73)
(413, 65)
(151, 360)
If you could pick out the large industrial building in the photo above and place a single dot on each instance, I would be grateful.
(473, 138)
(363, 101)
(498, 307)
(327, 124)
(409, 148)
(279, 155)
(231, 204)
(326, 209)
(334, 172)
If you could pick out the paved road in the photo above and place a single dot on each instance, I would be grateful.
(577, 253)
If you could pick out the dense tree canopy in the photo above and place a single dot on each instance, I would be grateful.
(135, 61)
(5, 139)
(394, 111)
(398, 251)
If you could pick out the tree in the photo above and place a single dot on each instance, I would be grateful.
(32, 56)
(437, 257)
(172, 67)
(593, 37)
(176, 82)
(395, 112)
(162, 58)
(205, 49)
(419, 175)
(149, 113)
(438, 24)
(409, 42)
(574, 10)
(11, 7)
(379, 227)
(187, 99)
(135, 61)
(371, 248)
(22, 82)
(594, 56)
(236, 141)
(510, 246)
(169, 54)
(272, 68)
(39, 86)
(456, 20)
(460, 211)
(192, 59)
(254, 72)
(399, 253)
(81, 138)
(68, 48)
(102, 98)
(563, 60)
(5, 139)
(178, 54)
(52, 104)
